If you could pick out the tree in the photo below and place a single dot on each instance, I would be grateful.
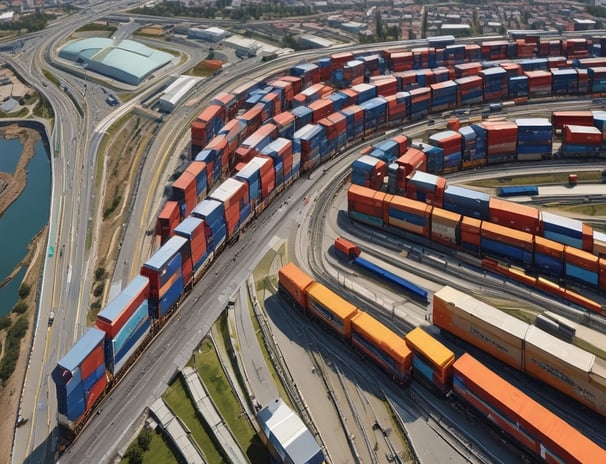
(144, 439)
(134, 455)
(24, 290)
(100, 273)
(20, 307)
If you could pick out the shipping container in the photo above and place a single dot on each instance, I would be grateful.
(548, 256)
(345, 248)
(567, 231)
(432, 361)
(294, 283)
(507, 243)
(332, 310)
(168, 219)
(566, 368)
(410, 215)
(550, 438)
(514, 215)
(194, 230)
(581, 118)
(581, 265)
(480, 324)
(381, 345)
(467, 202)
(445, 227)
(234, 195)
(213, 213)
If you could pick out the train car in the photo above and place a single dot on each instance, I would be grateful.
(387, 276)
(432, 361)
(446, 227)
(518, 190)
(548, 437)
(366, 205)
(293, 283)
(481, 325)
(409, 215)
(567, 368)
(329, 308)
(80, 379)
(194, 230)
(514, 215)
(125, 321)
(380, 344)
(346, 249)
(504, 242)
(167, 220)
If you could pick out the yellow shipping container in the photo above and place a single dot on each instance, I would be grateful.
(419, 340)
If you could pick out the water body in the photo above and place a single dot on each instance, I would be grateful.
(23, 219)
(10, 152)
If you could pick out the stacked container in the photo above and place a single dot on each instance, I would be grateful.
(494, 83)
(412, 160)
(373, 65)
(467, 69)
(599, 121)
(582, 266)
(425, 187)
(518, 87)
(389, 150)
(424, 57)
(320, 109)
(253, 118)
(575, 48)
(216, 157)
(471, 155)
(194, 230)
(410, 215)
(535, 138)
(504, 242)
(206, 126)
(233, 132)
(495, 50)
(501, 141)
(168, 271)
(168, 219)
(80, 378)
(303, 116)
(308, 72)
(366, 205)
(514, 215)
(307, 142)
(286, 163)
(548, 256)
(469, 90)
(253, 144)
(125, 321)
(260, 176)
(364, 92)
(443, 95)
(539, 83)
(400, 61)
(234, 195)
(351, 74)
(445, 227)
(397, 106)
(473, 52)
(581, 141)
(375, 114)
(434, 156)
(354, 118)
(579, 118)
(564, 82)
(368, 171)
(467, 202)
(567, 231)
(513, 69)
(420, 102)
(212, 212)
(190, 186)
(228, 102)
(597, 77)
(451, 143)
(285, 124)
(339, 123)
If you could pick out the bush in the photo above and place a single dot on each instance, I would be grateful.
(134, 455)
(100, 273)
(19, 328)
(98, 291)
(11, 350)
(5, 322)
(20, 307)
(24, 290)
(144, 439)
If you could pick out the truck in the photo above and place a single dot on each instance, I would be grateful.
(495, 107)
(51, 318)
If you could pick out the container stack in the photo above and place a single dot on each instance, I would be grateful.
(564, 81)
(412, 160)
(354, 118)
(514, 215)
(285, 124)
(473, 52)
(216, 157)
(285, 162)
(599, 121)
(234, 195)
(420, 101)
(365, 205)
(375, 113)
(80, 378)
(324, 64)
(364, 92)
(443, 95)
(513, 69)
(581, 141)
(451, 143)
(253, 118)
(386, 85)
(578, 118)
(583, 81)
(407, 80)
(467, 69)
(307, 142)
(260, 177)
(525, 49)
(189, 187)
(339, 100)
(320, 109)
(253, 144)
(425, 187)
(303, 116)
(501, 141)
(212, 212)
(534, 64)
(410, 215)
(494, 50)
(494, 83)
(167, 270)
(368, 171)
(469, 90)
(539, 83)
(424, 77)
(308, 72)
(206, 126)
(597, 77)
(311, 94)
(285, 93)
(335, 125)
(373, 65)
(472, 156)
(535, 138)
(272, 102)
(168, 218)
(575, 48)
(125, 321)
(351, 74)
(255, 96)
(424, 57)
(467, 202)
(389, 150)
(454, 54)
(567, 231)
(518, 87)
(434, 156)
(400, 60)
(194, 230)
(233, 132)
(442, 74)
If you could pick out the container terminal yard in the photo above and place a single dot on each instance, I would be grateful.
(379, 301)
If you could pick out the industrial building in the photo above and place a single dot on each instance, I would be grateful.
(212, 34)
(175, 92)
(244, 48)
(287, 437)
(126, 61)
(311, 41)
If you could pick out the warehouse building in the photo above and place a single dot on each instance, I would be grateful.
(244, 48)
(126, 61)
(286, 436)
(175, 92)
(311, 41)
(212, 34)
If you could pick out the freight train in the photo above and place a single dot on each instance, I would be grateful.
(533, 427)
(280, 129)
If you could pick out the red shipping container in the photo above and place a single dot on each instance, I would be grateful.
(579, 118)
(283, 120)
(413, 160)
(587, 238)
(366, 200)
(297, 83)
(228, 102)
(96, 392)
(514, 215)
(184, 190)
(548, 247)
(338, 60)
(111, 328)
(167, 220)
(253, 118)
(347, 248)
(582, 135)
(513, 69)
(198, 127)
(90, 364)
(321, 108)
(197, 241)
(582, 259)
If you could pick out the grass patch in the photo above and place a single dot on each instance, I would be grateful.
(537, 179)
(51, 77)
(585, 345)
(95, 27)
(160, 451)
(180, 403)
(207, 364)
(205, 68)
(589, 209)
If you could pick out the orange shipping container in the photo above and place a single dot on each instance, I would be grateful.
(470, 231)
(520, 416)
(330, 308)
(507, 235)
(294, 282)
(427, 351)
(480, 324)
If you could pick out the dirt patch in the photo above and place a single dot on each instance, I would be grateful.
(11, 186)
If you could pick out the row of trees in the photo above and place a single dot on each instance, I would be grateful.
(16, 330)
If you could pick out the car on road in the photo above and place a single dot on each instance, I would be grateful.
(21, 421)
(51, 318)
